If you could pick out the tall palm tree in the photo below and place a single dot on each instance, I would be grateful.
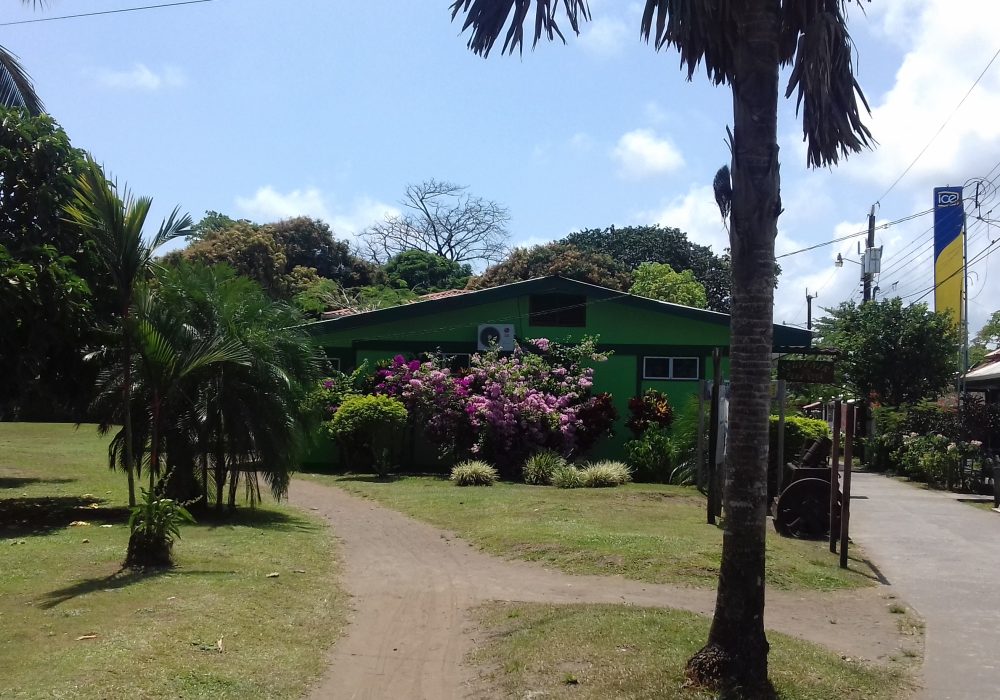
(16, 89)
(742, 45)
(114, 218)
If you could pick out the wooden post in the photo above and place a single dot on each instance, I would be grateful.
(845, 511)
(834, 475)
(781, 437)
(713, 435)
(702, 473)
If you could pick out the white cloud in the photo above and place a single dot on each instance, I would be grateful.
(695, 213)
(141, 77)
(268, 204)
(945, 52)
(641, 153)
(606, 36)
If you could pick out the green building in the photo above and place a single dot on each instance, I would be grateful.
(654, 344)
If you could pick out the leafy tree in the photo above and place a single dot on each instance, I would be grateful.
(441, 218)
(51, 287)
(986, 340)
(659, 281)
(742, 45)
(279, 255)
(114, 219)
(634, 245)
(427, 272)
(893, 353)
(16, 89)
(555, 259)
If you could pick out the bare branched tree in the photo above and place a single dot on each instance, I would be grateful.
(442, 218)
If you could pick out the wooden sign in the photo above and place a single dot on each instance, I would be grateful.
(806, 371)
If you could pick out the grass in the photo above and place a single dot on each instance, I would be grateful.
(646, 532)
(608, 651)
(74, 626)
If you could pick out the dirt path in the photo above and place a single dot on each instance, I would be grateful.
(413, 586)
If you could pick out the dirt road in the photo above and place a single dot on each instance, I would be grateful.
(413, 586)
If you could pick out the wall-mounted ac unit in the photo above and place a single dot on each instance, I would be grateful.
(498, 334)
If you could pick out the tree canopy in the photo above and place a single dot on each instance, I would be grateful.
(632, 246)
(986, 340)
(427, 272)
(660, 281)
(556, 258)
(893, 353)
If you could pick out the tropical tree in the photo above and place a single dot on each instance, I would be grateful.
(986, 341)
(633, 245)
(16, 89)
(426, 272)
(742, 45)
(556, 258)
(660, 281)
(114, 219)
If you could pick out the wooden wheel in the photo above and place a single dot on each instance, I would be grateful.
(803, 510)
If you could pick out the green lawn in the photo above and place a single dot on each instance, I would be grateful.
(215, 627)
(603, 651)
(646, 532)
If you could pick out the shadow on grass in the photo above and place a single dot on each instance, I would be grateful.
(15, 482)
(120, 579)
(260, 518)
(39, 515)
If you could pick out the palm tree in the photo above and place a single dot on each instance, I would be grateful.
(244, 419)
(742, 45)
(16, 89)
(115, 224)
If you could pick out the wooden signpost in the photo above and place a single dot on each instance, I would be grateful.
(835, 475)
(845, 511)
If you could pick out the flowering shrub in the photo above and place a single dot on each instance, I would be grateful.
(651, 409)
(505, 407)
(939, 461)
(322, 402)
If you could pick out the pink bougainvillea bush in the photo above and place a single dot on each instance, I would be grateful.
(505, 407)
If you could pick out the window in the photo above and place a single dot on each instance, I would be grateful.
(562, 310)
(670, 368)
(334, 362)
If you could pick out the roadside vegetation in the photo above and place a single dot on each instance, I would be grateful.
(647, 532)
(219, 625)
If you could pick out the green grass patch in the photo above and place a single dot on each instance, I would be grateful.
(646, 532)
(625, 652)
(74, 626)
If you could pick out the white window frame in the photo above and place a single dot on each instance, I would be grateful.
(335, 361)
(671, 377)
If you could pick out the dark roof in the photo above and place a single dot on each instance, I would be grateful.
(784, 336)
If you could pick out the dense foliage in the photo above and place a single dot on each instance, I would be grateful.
(631, 246)
(660, 281)
(427, 272)
(561, 259)
(892, 353)
(368, 428)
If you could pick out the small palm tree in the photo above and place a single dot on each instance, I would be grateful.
(742, 45)
(114, 219)
(16, 89)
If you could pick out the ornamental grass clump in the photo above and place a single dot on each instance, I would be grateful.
(567, 477)
(474, 473)
(605, 474)
(539, 468)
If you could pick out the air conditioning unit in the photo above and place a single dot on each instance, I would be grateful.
(498, 334)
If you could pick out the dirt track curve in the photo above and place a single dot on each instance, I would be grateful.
(413, 585)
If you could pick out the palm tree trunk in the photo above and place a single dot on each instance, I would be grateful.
(154, 447)
(735, 658)
(127, 406)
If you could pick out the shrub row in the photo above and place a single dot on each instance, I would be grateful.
(548, 468)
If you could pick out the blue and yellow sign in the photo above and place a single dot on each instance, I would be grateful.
(949, 251)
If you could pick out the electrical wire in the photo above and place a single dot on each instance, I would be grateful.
(940, 128)
(104, 12)
(880, 227)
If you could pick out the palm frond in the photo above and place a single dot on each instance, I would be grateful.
(487, 19)
(701, 31)
(16, 88)
(822, 72)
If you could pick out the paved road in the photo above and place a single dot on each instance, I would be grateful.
(943, 558)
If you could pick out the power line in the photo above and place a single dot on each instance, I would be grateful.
(880, 227)
(104, 12)
(985, 252)
(940, 128)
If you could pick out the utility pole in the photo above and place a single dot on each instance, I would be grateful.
(866, 271)
(809, 309)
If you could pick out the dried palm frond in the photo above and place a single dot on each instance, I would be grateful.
(487, 19)
(700, 30)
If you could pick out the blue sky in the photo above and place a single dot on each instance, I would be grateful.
(265, 109)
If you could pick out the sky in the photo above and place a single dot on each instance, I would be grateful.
(264, 109)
